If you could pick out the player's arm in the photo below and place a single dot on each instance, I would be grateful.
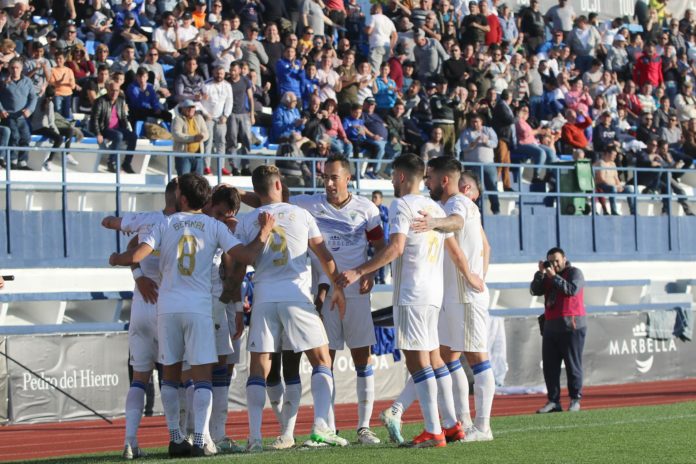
(486, 253)
(232, 285)
(112, 222)
(246, 254)
(376, 238)
(146, 286)
(249, 198)
(128, 257)
(462, 264)
(451, 223)
(395, 248)
(328, 264)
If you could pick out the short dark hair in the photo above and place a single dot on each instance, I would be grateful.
(338, 158)
(378, 192)
(227, 194)
(262, 178)
(170, 191)
(195, 188)
(473, 177)
(555, 250)
(411, 164)
(142, 71)
(445, 165)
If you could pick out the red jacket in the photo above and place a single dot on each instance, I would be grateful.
(396, 72)
(495, 34)
(559, 303)
(574, 133)
(648, 69)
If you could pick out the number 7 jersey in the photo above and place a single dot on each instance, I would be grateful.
(187, 244)
(282, 270)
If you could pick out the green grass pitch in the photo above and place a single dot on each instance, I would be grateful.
(647, 434)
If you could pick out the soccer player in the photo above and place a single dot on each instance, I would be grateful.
(463, 325)
(142, 328)
(283, 304)
(185, 325)
(419, 260)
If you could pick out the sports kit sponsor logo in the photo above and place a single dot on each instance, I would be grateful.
(641, 348)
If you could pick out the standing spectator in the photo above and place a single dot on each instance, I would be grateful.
(289, 73)
(63, 79)
(224, 46)
(17, 103)
(532, 26)
(189, 132)
(217, 109)
(474, 26)
(648, 68)
(503, 123)
(477, 145)
(434, 147)
(143, 101)
(43, 122)
(189, 85)
(110, 123)
(494, 35)
(561, 17)
(384, 89)
(252, 50)
(430, 56)
(242, 117)
(564, 328)
(442, 111)
(508, 24)
(382, 37)
(583, 40)
(38, 68)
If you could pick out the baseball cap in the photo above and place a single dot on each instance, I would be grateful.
(430, 85)
(419, 34)
(619, 38)
(187, 15)
(188, 103)
(370, 101)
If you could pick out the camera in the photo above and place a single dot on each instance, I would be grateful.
(547, 264)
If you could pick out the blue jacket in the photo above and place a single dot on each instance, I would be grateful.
(142, 99)
(352, 126)
(283, 123)
(309, 86)
(289, 79)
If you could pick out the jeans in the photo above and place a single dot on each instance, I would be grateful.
(186, 164)
(490, 183)
(64, 106)
(217, 139)
(628, 189)
(540, 154)
(20, 136)
(378, 145)
(63, 135)
(117, 137)
(567, 347)
(339, 146)
(4, 140)
(239, 131)
(535, 106)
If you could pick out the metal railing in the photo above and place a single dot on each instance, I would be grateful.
(124, 184)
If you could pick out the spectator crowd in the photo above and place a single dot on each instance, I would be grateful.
(475, 80)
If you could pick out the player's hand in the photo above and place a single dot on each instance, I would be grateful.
(346, 278)
(338, 301)
(100, 139)
(239, 326)
(148, 289)
(231, 223)
(113, 259)
(476, 283)
(266, 222)
(366, 283)
(422, 224)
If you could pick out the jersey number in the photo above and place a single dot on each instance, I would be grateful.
(433, 246)
(279, 244)
(186, 255)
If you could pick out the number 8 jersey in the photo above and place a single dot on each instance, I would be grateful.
(187, 244)
(282, 270)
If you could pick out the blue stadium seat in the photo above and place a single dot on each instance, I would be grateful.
(163, 143)
(261, 133)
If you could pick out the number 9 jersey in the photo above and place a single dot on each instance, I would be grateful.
(283, 271)
(187, 244)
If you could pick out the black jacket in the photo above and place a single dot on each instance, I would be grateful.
(101, 114)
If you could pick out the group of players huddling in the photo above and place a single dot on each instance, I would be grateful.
(189, 261)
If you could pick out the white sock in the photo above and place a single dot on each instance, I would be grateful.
(183, 414)
(221, 388)
(189, 408)
(365, 389)
(170, 403)
(484, 390)
(291, 404)
(332, 417)
(445, 400)
(275, 396)
(202, 407)
(322, 390)
(426, 389)
(256, 400)
(135, 402)
(405, 398)
(460, 390)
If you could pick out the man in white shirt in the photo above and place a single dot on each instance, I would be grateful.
(283, 312)
(382, 37)
(217, 108)
(419, 259)
(464, 319)
(225, 46)
(166, 39)
(185, 327)
(142, 327)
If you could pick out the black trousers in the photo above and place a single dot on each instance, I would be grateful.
(557, 347)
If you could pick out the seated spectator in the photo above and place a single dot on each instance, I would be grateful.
(63, 80)
(366, 81)
(607, 180)
(397, 132)
(664, 112)
(434, 147)
(321, 151)
(128, 65)
(129, 33)
(377, 135)
(43, 122)
(685, 103)
(101, 57)
(157, 78)
(672, 133)
(316, 123)
(337, 135)
(166, 40)
(17, 103)
(604, 132)
(143, 100)
(189, 132)
(647, 101)
(110, 123)
(646, 129)
(286, 119)
(94, 88)
(80, 64)
(528, 144)
(573, 131)
(629, 100)
(309, 85)
(384, 89)
(578, 97)
(295, 173)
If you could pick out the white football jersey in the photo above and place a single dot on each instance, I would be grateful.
(283, 271)
(215, 274)
(470, 241)
(345, 230)
(142, 224)
(187, 244)
(418, 272)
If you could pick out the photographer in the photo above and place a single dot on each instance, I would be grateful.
(563, 326)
